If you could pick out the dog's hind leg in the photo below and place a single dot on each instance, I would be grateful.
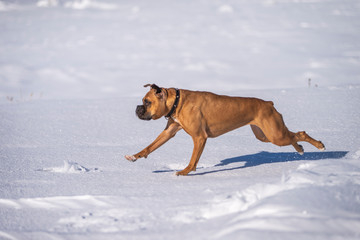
(271, 127)
(289, 138)
(259, 134)
(297, 146)
(303, 136)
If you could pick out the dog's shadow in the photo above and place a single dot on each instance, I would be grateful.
(260, 158)
(268, 158)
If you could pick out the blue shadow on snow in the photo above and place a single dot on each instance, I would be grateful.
(268, 157)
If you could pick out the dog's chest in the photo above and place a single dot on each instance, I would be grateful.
(177, 121)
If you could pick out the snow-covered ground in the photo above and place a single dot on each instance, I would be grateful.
(93, 49)
(64, 176)
(71, 75)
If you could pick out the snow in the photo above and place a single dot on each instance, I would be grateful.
(69, 167)
(71, 75)
(53, 49)
(63, 165)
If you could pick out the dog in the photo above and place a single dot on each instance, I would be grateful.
(206, 115)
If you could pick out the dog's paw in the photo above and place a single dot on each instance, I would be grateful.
(301, 150)
(130, 158)
(182, 173)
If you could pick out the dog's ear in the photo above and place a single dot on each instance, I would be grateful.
(155, 87)
(158, 90)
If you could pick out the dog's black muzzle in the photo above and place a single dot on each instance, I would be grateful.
(141, 113)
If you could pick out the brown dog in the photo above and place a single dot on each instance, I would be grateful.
(207, 115)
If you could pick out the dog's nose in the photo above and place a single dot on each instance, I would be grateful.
(140, 110)
(141, 113)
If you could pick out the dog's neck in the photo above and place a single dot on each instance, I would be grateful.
(174, 106)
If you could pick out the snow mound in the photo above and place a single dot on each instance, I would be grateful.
(88, 4)
(69, 167)
(324, 194)
(226, 9)
(47, 3)
(308, 175)
(58, 202)
(356, 155)
(4, 6)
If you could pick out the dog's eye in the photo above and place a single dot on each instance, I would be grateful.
(147, 102)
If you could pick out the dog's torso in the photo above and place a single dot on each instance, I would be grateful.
(217, 114)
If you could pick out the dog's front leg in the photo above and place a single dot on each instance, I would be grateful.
(199, 144)
(171, 129)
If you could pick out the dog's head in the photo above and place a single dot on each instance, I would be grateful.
(154, 103)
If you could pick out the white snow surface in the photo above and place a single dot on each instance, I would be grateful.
(71, 75)
(90, 48)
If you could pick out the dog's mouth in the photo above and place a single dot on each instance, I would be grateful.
(142, 114)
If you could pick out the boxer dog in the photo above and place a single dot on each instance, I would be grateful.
(206, 115)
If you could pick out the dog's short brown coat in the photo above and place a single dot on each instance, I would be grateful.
(207, 115)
